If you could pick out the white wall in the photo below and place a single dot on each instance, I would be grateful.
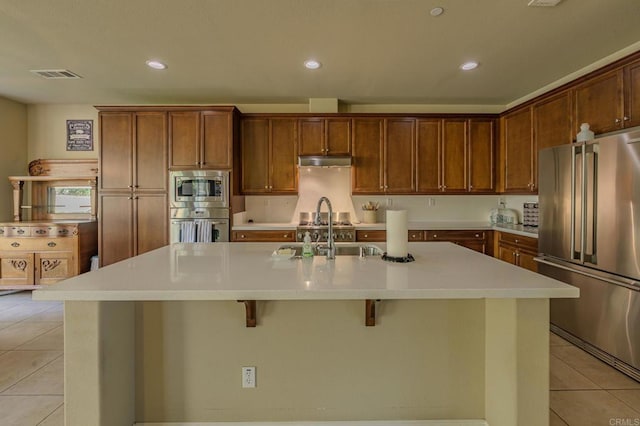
(13, 146)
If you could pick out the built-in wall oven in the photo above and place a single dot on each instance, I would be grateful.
(199, 206)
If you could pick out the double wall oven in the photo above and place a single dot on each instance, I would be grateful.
(199, 206)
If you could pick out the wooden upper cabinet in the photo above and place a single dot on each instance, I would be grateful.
(217, 140)
(269, 155)
(116, 150)
(454, 155)
(517, 152)
(201, 139)
(552, 121)
(150, 172)
(428, 158)
(632, 95)
(254, 137)
(599, 102)
(324, 136)
(367, 146)
(481, 155)
(283, 156)
(399, 155)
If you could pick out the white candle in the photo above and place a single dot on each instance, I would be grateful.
(397, 233)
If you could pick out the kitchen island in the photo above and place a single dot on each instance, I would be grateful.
(161, 338)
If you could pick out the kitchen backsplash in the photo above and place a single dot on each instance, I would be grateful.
(437, 208)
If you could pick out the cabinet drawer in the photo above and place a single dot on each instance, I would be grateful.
(37, 244)
(441, 235)
(377, 235)
(416, 235)
(16, 231)
(264, 236)
(519, 240)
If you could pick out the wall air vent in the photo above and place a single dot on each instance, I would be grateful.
(543, 3)
(57, 74)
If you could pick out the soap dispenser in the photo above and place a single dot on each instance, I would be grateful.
(307, 249)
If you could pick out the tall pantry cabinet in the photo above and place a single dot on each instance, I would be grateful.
(133, 205)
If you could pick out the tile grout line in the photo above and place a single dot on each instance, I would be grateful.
(624, 402)
(50, 414)
(560, 417)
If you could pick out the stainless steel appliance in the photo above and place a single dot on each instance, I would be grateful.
(343, 229)
(589, 237)
(200, 188)
(199, 206)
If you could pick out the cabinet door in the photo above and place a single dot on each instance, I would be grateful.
(116, 228)
(311, 136)
(399, 156)
(454, 156)
(599, 102)
(525, 260)
(184, 134)
(481, 156)
(632, 95)
(150, 144)
(338, 136)
(254, 140)
(552, 121)
(507, 253)
(16, 268)
(283, 173)
(217, 140)
(517, 151)
(152, 222)
(116, 150)
(51, 267)
(428, 158)
(367, 146)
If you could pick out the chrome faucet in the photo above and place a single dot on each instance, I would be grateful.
(331, 247)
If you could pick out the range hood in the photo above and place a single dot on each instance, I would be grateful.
(324, 161)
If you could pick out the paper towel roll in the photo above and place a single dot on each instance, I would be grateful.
(397, 233)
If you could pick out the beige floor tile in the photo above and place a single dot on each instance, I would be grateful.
(595, 370)
(5, 324)
(555, 340)
(563, 377)
(27, 410)
(55, 313)
(589, 408)
(16, 365)
(555, 420)
(55, 419)
(52, 340)
(25, 310)
(49, 380)
(23, 332)
(631, 397)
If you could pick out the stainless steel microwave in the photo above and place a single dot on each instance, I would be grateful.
(199, 188)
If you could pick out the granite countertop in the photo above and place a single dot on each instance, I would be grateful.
(231, 271)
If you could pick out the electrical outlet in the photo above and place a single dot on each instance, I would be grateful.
(389, 203)
(431, 202)
(248, 377)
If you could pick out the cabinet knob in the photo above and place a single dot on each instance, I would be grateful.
(51, 244)
(435, 235)
(444, 186)
(266, 187)
(618, 120)
(516, 241)
(285, 236)
(366, 235)
(15, 244)
(477, 235)
(625, 118)
(413, 235)
(470, 186)
(242, 236)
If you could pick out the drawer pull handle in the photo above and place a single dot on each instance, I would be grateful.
(20, 231)
(51, 244)
(15, 244)
(40, 231)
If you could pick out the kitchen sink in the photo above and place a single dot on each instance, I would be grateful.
(342, 249)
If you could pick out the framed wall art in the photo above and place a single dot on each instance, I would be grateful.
(79, 135)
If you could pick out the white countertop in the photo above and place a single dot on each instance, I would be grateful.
(246, 271)
(415, 225)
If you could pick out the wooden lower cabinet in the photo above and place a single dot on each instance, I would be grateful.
(263, 236)
(475, 240)
(132, 224)
(33, 258)
(371, 236)
(517, 250)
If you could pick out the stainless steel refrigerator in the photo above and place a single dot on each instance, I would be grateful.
(589, 237)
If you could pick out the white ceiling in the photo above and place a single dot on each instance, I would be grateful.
(251, 51)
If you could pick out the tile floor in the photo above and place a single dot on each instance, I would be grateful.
(584, 391)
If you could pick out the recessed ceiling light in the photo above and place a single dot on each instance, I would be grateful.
(156, 65)
(312, 64)
(468, 66)
(436, 11)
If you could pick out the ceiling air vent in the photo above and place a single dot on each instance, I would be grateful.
(543, 3)
(56, 74)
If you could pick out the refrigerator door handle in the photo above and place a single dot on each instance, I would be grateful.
(630, 284)
(577, 197)
(590, 202)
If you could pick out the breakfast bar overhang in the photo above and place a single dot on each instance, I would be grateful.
(161, 338)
